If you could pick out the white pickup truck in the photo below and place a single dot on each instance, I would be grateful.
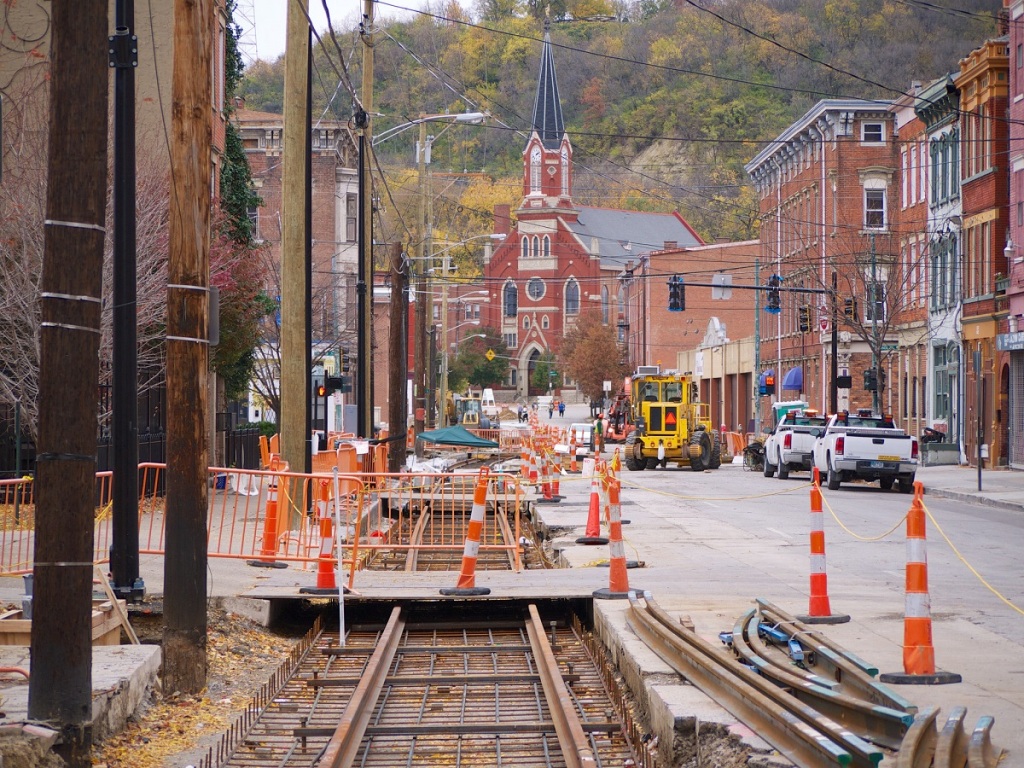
(790, 446)
(866, 446)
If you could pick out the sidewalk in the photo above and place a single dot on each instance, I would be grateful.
(999, 487)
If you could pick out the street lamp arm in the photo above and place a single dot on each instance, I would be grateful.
(466, 118)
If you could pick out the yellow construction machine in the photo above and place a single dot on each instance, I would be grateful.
(669, 425)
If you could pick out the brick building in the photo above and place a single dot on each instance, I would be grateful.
(983, 85)
(1010, 338)
(827, 188)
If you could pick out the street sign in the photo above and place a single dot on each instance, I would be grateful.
(490, 355)
(607, 385)
(721, 286)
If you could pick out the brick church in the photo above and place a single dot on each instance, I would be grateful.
(558, 259)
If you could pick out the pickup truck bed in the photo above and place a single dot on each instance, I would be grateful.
(869, 448)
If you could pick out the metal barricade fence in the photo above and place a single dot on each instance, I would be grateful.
(429, 512)
(373, 521)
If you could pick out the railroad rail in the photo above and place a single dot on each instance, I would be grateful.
(837, 717)
(412, 690)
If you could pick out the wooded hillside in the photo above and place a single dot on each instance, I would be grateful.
(664, 102)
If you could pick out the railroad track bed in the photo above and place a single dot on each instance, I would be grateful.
(813, 701)
(416, 689)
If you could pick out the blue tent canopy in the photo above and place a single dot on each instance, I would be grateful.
(794, 379)
(457, 435)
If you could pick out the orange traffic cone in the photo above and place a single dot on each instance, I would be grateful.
(572, 454)
(269, 546)
(325, 581)
(819, 611)
(592, 535)
(547, 480)
(467, 577)
(618, 578)
(918, 653)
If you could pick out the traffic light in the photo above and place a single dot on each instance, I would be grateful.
(346, 361)
(805, 319)
(676, 294)
(773, 305)
(335, 383)
(850, 309)
(321, 390)
(769, 384)
(870, 380)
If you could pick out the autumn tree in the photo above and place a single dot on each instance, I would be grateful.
(591, 355)
(470, 365)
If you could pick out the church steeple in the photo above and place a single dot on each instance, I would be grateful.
(547, 109)
(547, 167)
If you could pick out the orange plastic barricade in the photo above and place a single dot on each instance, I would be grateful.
(918, 652)
(819, 611)
(467, 577)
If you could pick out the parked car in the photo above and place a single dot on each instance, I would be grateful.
(866, 446)
(790, 446)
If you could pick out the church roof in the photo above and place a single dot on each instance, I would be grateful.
(623, 236)
(547, 109)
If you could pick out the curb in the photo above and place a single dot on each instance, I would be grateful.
(974, 498)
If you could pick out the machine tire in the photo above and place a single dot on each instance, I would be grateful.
(769, 468)
(632, 463)
(833, 477)
(700, 451)
(783, 471)
(885, 483)
(906, 485)
(653, 463)
(716, 452)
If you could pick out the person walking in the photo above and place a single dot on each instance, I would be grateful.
(598, 436)
(561, 408)
(551, 409)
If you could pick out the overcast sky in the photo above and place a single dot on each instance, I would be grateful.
(270, 22)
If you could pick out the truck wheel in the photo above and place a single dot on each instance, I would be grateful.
(769, 468)
(716, 452)
(654, 463)
(906, 484)
(885, 483)
(700, 451)
(632, 463)
(783, 470)
(833, 477)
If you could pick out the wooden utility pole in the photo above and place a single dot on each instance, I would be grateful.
(296, 385)
(60, 688)
(188, 290)
(398, 352)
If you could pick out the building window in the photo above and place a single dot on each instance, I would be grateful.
(535, 288)
(511, 340)
(512, 377)
(351, 219)
(572, 297)
(1020, 55)
(1020, 214)
(604, 304)
(547, 246)
(536, 246)
(510, 300)
(942, 383)
(565, 172)
(526, 322)
(872, 133)
(525, 248)
(468, 312)
(253, 212)
(913, 398)
(545, 323)
(874, 209)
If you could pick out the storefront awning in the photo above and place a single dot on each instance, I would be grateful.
(794, 379)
